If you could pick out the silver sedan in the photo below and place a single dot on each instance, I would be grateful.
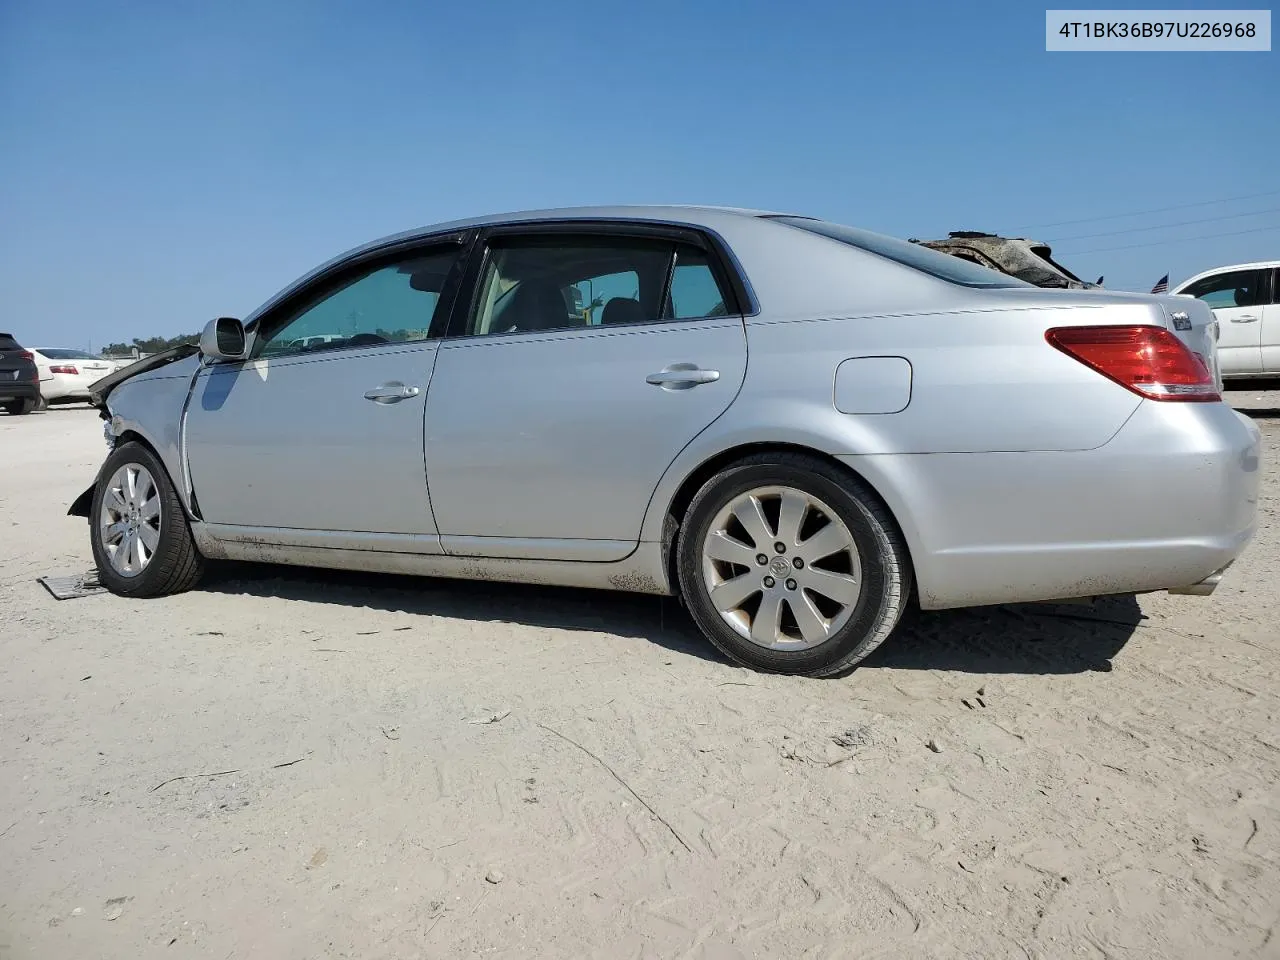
(796, 426)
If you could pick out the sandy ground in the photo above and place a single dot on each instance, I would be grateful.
(287, 764)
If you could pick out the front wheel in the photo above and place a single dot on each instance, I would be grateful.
(139, 533)
(790, 565)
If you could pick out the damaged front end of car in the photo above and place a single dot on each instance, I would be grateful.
(99, 395)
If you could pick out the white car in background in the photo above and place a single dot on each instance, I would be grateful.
(66, 375)
(1245, 299)
(308, 343)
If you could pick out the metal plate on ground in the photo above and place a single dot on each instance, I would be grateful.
(68, 588)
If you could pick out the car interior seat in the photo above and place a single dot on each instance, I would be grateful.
(536, 305)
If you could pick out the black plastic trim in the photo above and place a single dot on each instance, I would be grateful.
(83, 504)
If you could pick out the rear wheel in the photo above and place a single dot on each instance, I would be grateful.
(141, 541)
(18, 408)
(789, 565)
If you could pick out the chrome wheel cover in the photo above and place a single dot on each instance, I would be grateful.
(129, 521)
(781, 568)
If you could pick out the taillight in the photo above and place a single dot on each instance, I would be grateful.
(70, 370)
(1150, 361)
(26, 355)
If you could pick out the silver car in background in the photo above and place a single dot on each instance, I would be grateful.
(796, 426)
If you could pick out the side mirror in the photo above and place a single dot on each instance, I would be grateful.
(224, 339)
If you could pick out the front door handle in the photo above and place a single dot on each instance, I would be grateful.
(1244, 319)
(682, 376)
(392, 392)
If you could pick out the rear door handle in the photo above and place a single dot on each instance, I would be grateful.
(682, 376)
(392, 392)
(1244, 319)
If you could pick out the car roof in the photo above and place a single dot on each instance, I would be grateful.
(697, 215)
(687, 212)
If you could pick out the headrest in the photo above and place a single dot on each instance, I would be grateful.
(622, 310)
(536, 305)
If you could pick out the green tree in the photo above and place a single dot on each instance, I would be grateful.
(151, 344)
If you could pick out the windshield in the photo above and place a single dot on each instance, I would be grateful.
(940, 265)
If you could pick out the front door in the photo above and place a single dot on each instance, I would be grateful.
(1236, 298)
(322, 429)
(583, 366)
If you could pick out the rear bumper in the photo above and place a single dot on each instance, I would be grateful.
(19, 390)
(1167, 503)
(1204, 587)
(55, 394)
(64, 387)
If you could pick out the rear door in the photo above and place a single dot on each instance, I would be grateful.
(589, 356)
(1236, 298)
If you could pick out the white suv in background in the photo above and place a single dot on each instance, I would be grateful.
(1246, 300)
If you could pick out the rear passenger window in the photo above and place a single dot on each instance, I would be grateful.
(554, 282)
(535, 284)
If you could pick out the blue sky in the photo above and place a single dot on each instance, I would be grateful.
(165, 163)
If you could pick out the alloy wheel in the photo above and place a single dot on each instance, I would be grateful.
(129, 522)
(781, 568)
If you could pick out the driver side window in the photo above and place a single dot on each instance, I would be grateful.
(392, 303)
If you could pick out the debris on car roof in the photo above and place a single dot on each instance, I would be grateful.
(1029, 260)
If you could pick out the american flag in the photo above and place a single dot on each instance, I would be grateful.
(1162, 286)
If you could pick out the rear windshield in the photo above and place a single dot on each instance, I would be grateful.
(8, 343)
(940, 265)
(60, 354)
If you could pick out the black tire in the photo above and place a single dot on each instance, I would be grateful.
(176, 565)
(18, 408)
(885, 562)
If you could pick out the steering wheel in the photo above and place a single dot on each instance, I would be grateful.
(366, 339)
